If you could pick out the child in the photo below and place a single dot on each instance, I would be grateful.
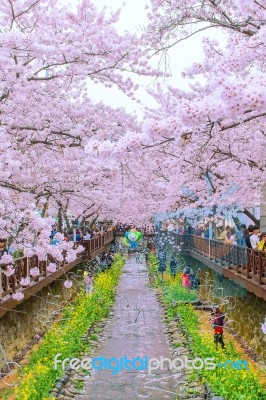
(186, 279)
(88, 282)
(173, 267)
(217, 324)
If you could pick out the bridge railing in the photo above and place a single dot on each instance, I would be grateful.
(10, 284)
(249, 263)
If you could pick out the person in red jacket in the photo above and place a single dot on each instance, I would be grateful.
(218, 324)
(186, 278)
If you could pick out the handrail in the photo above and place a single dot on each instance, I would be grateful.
(249, 263)
(10, 285)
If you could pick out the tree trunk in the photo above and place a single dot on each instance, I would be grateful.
(252, 217)
(237, 223)
(45, 208)
(60, 219)
(66, 221)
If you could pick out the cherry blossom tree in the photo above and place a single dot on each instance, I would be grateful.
(48, 120)
(64, 155)
(212, 134)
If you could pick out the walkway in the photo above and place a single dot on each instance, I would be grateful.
(135, 330)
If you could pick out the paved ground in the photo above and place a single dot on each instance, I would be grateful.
(135, 330)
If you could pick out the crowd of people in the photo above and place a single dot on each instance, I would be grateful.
(246, 237)
(249, 237)
(79, 234)
(122, 228)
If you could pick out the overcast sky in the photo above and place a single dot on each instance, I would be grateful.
(133, 17)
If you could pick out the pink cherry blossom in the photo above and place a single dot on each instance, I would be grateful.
(34, 271)
(6, 259)
(68, 284)
(51, 267)
(9, 270)
(79, 249)
(263, 327)
(71, 256)
(64, 154)
(25, 282)
(18, 296)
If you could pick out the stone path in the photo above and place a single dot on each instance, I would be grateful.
(135, 329)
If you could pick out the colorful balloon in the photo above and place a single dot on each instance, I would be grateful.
(132, 237)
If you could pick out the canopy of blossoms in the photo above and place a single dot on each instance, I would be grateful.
(63, 153)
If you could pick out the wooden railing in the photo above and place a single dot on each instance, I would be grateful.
(97, 243)
(10, 285)
(248, 264)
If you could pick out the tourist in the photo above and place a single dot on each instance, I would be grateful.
(231, 237)
(218, 324)
(250, 230)
(198, 230)
(87, 236)
(245, 235)
(190, 230)
(88, 278)
(111, 256)
(162, 261)
(225, 234)
(261, 245)
(186, 278)
(254, 239)
(71, 236)
(109, 259)
(180, 228)
(240, 238)
(66, 239)
(195, 282)
(55, 241)
(173, 267)
(53, 232)
(207, 232)
(3, 248)
(78, 235)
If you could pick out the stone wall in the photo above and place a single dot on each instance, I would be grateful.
(19, 326)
